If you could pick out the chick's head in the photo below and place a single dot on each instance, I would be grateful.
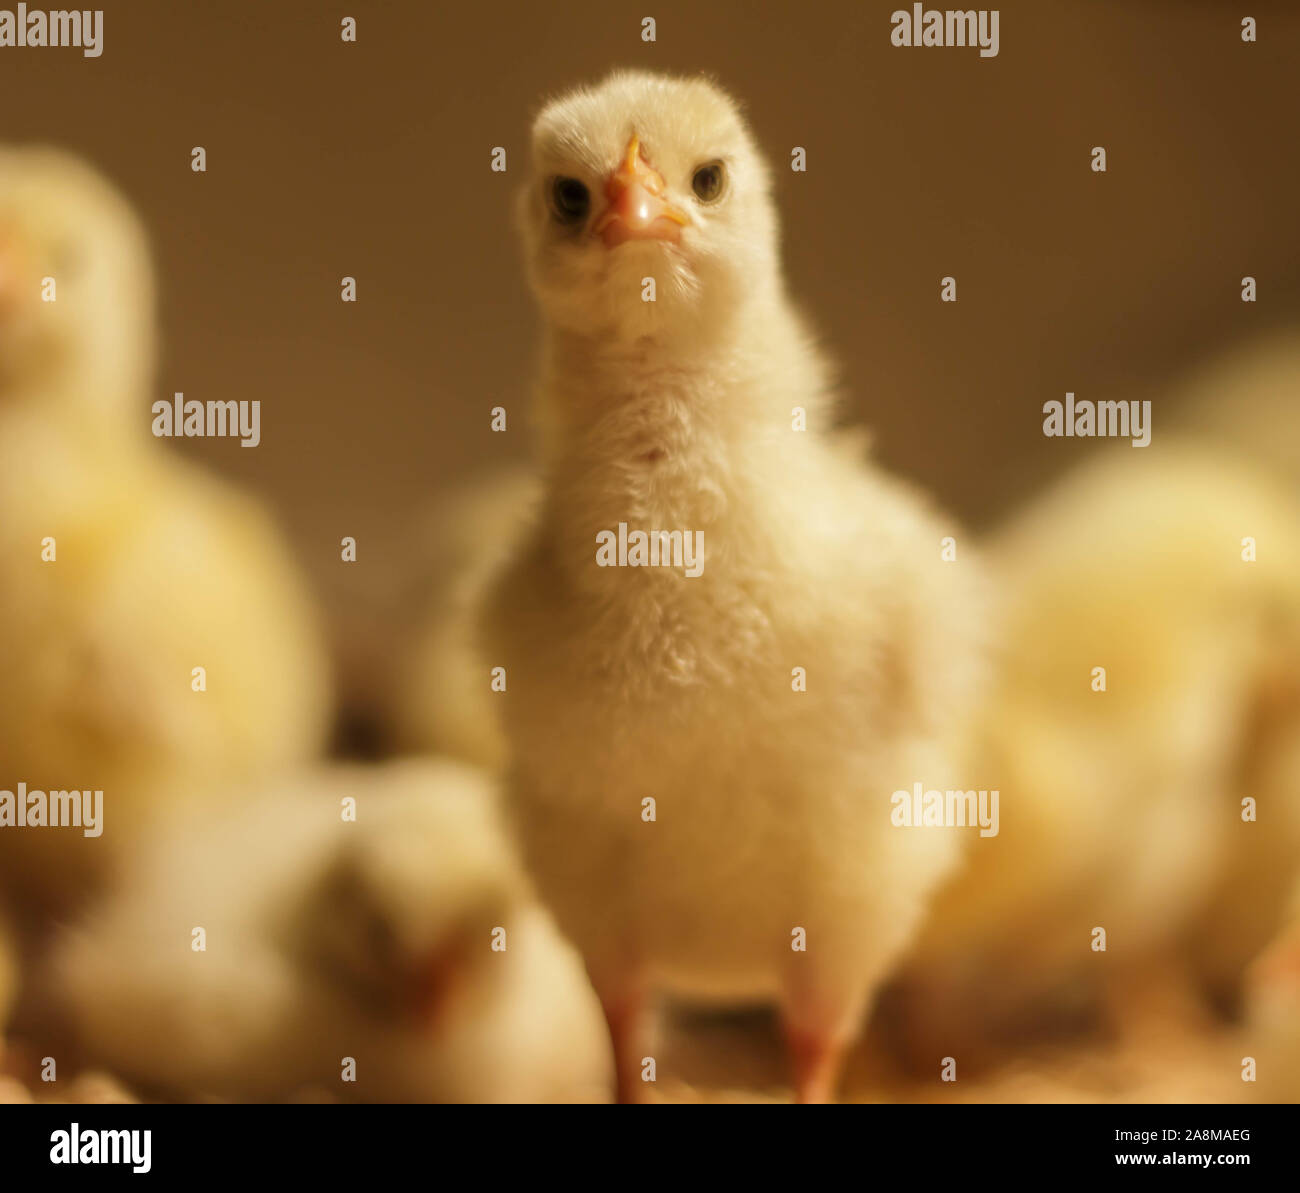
(645, 176)
(404, 917)
(76, 287)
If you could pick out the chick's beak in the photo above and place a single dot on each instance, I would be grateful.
(435, 982)
(637, 207)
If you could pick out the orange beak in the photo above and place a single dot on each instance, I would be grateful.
(637, 208)
(435, 984)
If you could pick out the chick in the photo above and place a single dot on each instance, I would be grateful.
(1145, 691)
(1248, 397)
(122, 571)
(445, 702)
(703, 753)
(403, 939)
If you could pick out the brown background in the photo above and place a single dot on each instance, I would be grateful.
(326, 159)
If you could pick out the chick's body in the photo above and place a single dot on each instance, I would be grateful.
(157, 573)
(772, 804)
(771, 812)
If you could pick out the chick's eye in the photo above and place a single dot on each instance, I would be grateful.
(570, 200)
(709, 181)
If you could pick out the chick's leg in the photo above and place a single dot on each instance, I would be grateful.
(623, 1002)
(820, 1023)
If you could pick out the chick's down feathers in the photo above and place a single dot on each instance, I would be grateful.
(768, 702)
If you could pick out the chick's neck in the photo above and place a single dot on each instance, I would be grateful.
(670, 432)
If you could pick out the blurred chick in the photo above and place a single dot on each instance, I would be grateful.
(628, 684)
(1122, 808)
(326, 939)
(1249, 397)
(444, 700)
(152, 568)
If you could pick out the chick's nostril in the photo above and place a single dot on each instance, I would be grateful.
(634, 170)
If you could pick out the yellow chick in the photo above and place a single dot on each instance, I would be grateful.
(1143, 733)
(447, 699)
(727, 642)
(358, 933)
(1249, 396)
(156, 640)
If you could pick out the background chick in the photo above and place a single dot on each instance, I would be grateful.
(629, 684)
(327, 939)
(156, 568)
(1249, 397)
(443, 700)
(1122, 808)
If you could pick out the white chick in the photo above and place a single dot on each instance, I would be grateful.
(445, 703)
(1122, 807)
(692, 814)
(121, 569)
(326, 939)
